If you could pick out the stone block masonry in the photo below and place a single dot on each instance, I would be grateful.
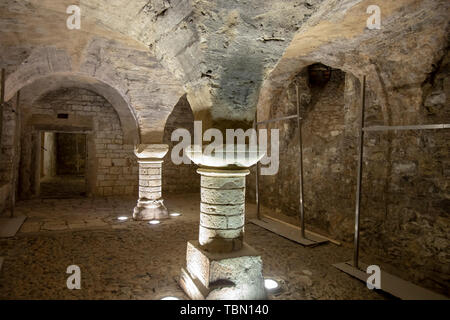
(8, 148)
(222, 212)
(150, 203)
(115, 167)
(8, 154)
(405, 190)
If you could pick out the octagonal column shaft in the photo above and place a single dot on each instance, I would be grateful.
(150, 204)
(222, 209)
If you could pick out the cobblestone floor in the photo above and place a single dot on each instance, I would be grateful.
(135, 260)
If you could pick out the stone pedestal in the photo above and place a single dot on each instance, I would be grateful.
(220, 265)
(150, 204)
(235, 275)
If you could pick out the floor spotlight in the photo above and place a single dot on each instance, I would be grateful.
(175, 214)
(271, 285)
(154, 222)
(122, 218)
(170, 298)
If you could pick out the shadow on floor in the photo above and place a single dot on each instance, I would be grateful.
(62, 187)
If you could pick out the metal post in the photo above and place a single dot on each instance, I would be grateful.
(258, 214)
(78, 154)
(359, 176)
(278, 119)
(16, 156)
(2, 97)
(410, 127)
(300, 146)
(2, 101)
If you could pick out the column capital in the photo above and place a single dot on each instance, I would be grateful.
(228, 157)
(151, 152)
(219, 172)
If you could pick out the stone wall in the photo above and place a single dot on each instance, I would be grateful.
(405, 195)
(328, 169)
(4, 196)
(49, 155)
(409, 226)
(112, 163)
(7, 143)
(179, 178)
(8, 152)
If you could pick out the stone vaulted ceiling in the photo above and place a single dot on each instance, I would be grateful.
(221, 53)
(217, 51)
(397, 59)
(37, 47)
(222, 50)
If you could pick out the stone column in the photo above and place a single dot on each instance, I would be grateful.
(220, 265)
(150, 204)
(222, 209)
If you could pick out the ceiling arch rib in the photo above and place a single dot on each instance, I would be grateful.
(52, 82)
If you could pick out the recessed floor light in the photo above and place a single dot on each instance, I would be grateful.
(154, 222)
(271, 284)
(170, 298)
(122, 218)
(175, 214)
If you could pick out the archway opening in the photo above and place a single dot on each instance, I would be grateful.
(179, 178)
(73, 144)
(328, 103)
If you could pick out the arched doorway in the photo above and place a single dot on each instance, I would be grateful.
(73, 143)
(328, 100)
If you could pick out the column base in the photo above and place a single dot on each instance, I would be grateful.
(222, 276)
(150, 210)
